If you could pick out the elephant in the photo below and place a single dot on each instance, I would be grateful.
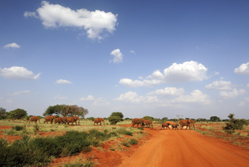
(34, 119)
(98, 121)
(165, 125)
(38, 118)
(57, 120)
(187, 122)
(137, 121)
(77, 118)
(71, 120)
(175, 126)
(102, 120)
(147, 123)
(63, 119)
(49, 118)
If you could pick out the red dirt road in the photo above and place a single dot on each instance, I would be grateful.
(186, 148)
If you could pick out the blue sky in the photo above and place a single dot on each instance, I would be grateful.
(156, 58)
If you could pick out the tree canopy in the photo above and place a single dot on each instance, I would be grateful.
(115, 117)
(17, 114)
(3, 113)
(214, 119)
(148, 118)
(119, 114)
(66, 110)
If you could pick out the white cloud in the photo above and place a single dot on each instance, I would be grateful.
(12, 45)
(220, 85)
(168, 91)
(19, 73)
(21, 92)
(156, 75)
(231, 94)
(132, 51)
(94, 22)
(90, 97)
(195, 97)
(242, 69)
(62, 81)
(136, 83)
(30, 14)
(216, 73)
(118, 56)
(186, 72)
(248, 85)
(134, 98)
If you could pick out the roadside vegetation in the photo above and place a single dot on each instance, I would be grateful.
(36, 150)
(234, 130)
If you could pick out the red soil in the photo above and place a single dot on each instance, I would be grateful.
(166, 148)
(8, 137)
(187, 148)
(103, 157)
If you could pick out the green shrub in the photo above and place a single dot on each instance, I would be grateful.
(129, 133)
(87, 163)
(124, 132)
(140, 128)
(234, 124)
(126, 144)
(133, 141)
(18, 128)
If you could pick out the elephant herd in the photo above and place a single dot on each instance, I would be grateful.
(142, 122)
(183, 123)
(65, 120)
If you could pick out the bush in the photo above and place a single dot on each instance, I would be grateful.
(234, 124)
(18, 128)
(140, 128)
(129, 133)
(133, 141)
(126, 144)
(124, 132)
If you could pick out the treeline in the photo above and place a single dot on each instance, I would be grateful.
(58, 110)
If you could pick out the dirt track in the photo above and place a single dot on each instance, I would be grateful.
(186, 148)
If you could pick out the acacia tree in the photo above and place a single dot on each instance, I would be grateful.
(66, 110)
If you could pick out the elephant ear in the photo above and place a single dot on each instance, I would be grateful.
(189, 121)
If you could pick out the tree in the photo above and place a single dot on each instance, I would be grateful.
(119, 114)
(148, 118)
(66, 110)
(165, 119)
(81, 112)
(91, 118)
(17, 114)
(115, 117)
(3, 113)
(214, 118)
(114, 120)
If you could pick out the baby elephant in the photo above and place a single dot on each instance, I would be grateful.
(165, 125)
(175, 126)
